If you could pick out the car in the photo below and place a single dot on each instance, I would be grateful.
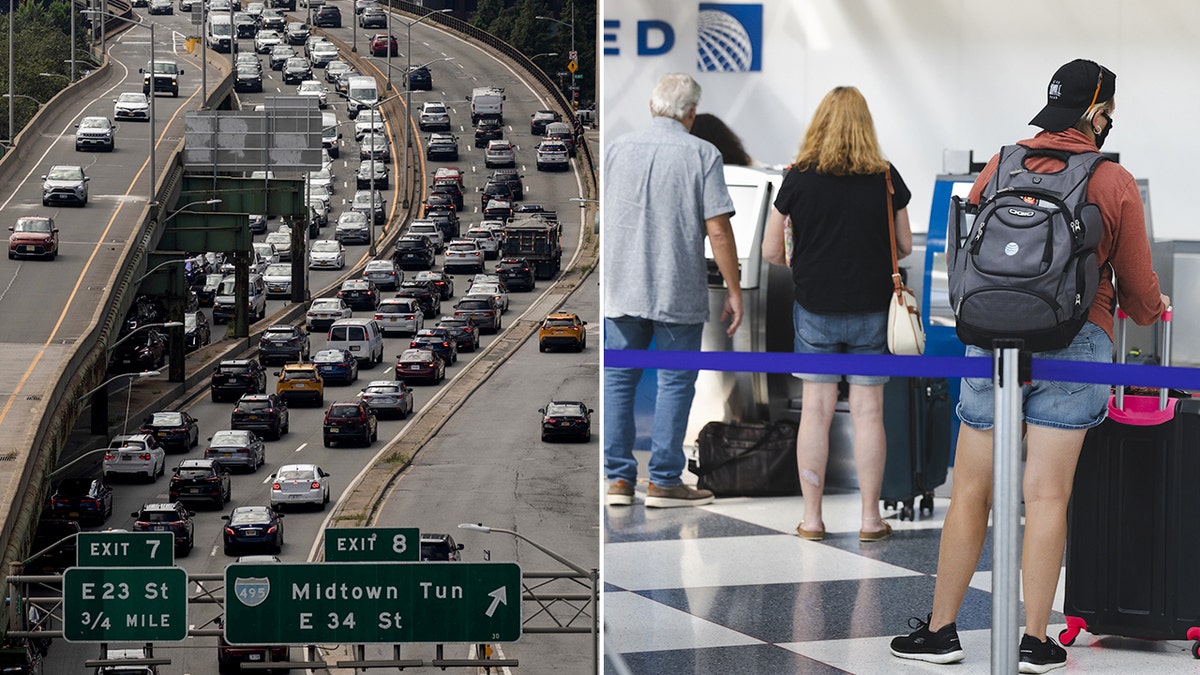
(326, 254)
(234, 377)
(438, 201)
(499, 153)
(437, 546)
(359, 294)
(566, 419)
(434, 116)
(266, 40)
(322, 312)
(336, 365)
(273, 19)
(296, 484)
(244, 25)
(142, 352)
(562, 329)
(494, 189)
(328, 16)
(282, 241)
(197, 332)
(464, 330)
(315, 89)
(252, 526)
(296, 69)
(375, 146)
(86, 500)
(33, 237)
(439, 341)
(283, 343)
(400, 315)
(368, 122)
(498, 209)
(512, 178)
(388, 397)
(464, 254)
(446, 173)
(482, 308)
(420, 365)
(295, 32)
(352, 228)
(237, 447)
(552, 155)
(384, 274)
(95, 132)
(486, 240)
(419, 78)
(131, 105)
(442, 147)
(164, 75)
(381, 44)
(496, 289)
(65, 184)
(373, 17)
(323, 181)
(488, 129)
(451, 188)
(206, 290)
(201, 479)
(362, 202)
(248, 78)
(319, 209)
(539, 119)
(278, 278)
(173, 518)
(335, 68)
(266, 413)
(372, 170)
(443, 283)
(342, 82)
(173, 429)
(563, 133)
(362, 5)
(350, 420)
(429, 229)
(425, 293)
(414, 251)
(161, 7)
(279, 56)
(300, 381)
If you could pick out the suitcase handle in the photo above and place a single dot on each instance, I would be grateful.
(1122, 324)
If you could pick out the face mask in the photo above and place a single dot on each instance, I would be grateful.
(1104, 134)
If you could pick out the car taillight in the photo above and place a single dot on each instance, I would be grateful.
(276, 486)
(141, 523)
(549, 420)
(488, 313)
(230, 531)
(90, 500)
(271, 529)
(315, 485)
(243, 451)
(109, 455)
(144, 456)
(445, 344)
(60, 502)
(378, 316)
(212, 479)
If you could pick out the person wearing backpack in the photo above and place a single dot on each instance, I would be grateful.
(836, 195)
(1077, 118)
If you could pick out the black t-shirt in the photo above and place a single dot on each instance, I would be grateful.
(840, 257)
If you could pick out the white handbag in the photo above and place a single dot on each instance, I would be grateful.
(905, 333)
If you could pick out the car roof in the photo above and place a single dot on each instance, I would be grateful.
(196, 463)
(562, 315)
(161, 506)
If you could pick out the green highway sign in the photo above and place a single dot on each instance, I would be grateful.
(372, 544)
(357, 603)
(126, 549)
(124, 604)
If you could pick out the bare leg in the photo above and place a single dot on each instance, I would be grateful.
(966, 524)
(1049, 476)
(870, 449)
(812, 447)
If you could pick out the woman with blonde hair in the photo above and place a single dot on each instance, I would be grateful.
(836, 196)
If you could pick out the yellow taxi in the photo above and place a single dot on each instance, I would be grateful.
(300, 381)
(561, 329)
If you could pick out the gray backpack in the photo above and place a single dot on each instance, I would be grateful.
(1025, 262)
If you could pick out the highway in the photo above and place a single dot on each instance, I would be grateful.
(548, 491)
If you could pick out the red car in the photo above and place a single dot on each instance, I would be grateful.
(381, 43)
(420, 364)
(33, 237)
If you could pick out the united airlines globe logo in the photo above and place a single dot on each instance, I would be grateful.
(729, 38)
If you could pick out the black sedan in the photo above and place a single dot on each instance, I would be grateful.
(566, 419)
(87, 500)
(253, 527)
(197, 332)
(174, 429)
(248, 78)
(360, 294)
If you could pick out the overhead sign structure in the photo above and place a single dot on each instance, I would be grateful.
(125, 549)
(125, 604)
(358, 603)
(370, 544)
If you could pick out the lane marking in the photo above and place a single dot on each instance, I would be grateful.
(302, 446)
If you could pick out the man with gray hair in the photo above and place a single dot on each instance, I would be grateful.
(664, 191)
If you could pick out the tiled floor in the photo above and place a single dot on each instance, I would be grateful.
(729, 588)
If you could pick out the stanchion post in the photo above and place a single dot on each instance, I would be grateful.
(1006, 504)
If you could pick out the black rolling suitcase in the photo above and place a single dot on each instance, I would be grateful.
(1132, 552)
(916, 416)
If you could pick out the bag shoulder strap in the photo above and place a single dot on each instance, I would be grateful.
(891, 217)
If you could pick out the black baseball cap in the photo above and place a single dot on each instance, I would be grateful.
(1074, 88)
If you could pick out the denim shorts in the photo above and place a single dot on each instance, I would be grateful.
(1058, 405)
(850, 333)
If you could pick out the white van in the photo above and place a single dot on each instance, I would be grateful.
(330, 135)
(361, 337)
(487, 103)
(361, 93)
(219, 32)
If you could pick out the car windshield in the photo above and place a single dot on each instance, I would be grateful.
(75, 487)
(245, 70)
(166, 419)
(278, 270)
(274, 333)
(325, 304)
(296, 474)
(65, 173)
(159, 516)
(435, 108)
(564, 410)
(249, 515)
(311, 86)
(325, 246)
(464, 247)
(291, 374)
(94, 123)
(474, 304)
(32, 225)
(382, 389)
(416, 355)
(161, 68)
(131, 98)
(328, 356)
(233, 370)
(253, 405)
(344, 411)
(555, 323)
(234, 439)
(194, 472)
(352, 218)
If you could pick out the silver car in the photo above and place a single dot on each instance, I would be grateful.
(283, 244)
(388, 397)
(237, 447)
(65, 184)
(435, 116)
(299, 484)
(499, 153)
(278, 278)
(327, 254)
(352, 226)
(400, 315)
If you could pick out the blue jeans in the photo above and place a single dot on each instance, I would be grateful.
(671, 404)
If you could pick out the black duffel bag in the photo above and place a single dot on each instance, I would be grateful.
(747, 459)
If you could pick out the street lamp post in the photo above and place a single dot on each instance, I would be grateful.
(573, 52)
(100, 403)
(374, 108)
(408, 95)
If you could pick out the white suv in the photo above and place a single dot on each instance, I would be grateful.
(435, 116)
(552, 155)
(135, 455)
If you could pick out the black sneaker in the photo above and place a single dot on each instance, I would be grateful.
(1039, 657)
(923, 645)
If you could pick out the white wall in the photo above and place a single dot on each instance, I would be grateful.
(938, 74)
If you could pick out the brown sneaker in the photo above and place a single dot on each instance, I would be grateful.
(620, 493)
(680, 495)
